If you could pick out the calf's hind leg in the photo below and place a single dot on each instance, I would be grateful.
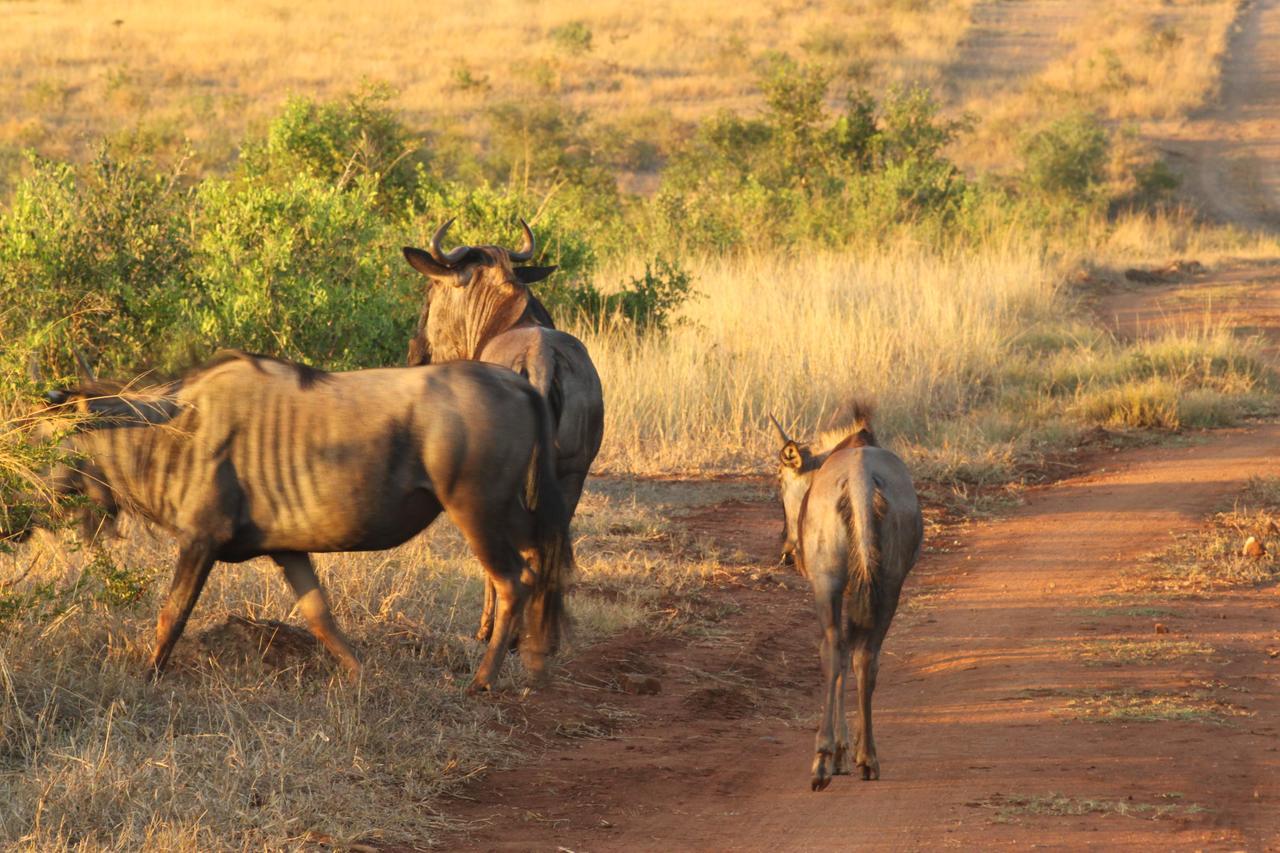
(835, 659)
(301, 575)
(866, 663)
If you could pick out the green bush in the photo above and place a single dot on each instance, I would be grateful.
(338, 141)
(645, 304)
(573, 37)
(99, 255)
(300, 269)
(1068, 158)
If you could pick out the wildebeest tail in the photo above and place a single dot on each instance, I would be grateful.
(546, 615)
(862, 595)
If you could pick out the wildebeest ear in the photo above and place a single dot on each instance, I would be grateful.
(791, 455)
(57, 397)
(425, 264)
(529, 275)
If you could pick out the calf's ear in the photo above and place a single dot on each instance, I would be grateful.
(791, 455)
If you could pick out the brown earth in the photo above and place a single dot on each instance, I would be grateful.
(975, 715)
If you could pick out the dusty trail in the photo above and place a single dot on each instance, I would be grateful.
(1230, 152)
(973, 710)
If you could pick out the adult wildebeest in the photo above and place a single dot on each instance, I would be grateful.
(251, 456)
(478, 306)
(853, 523)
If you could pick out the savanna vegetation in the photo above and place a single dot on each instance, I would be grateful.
(785, 213)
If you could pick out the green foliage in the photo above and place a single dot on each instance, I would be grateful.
(1068, 158)
(299, 268)
(100, 253)
(358, 135)
(573, 37)
(645, 304)
(798, 173)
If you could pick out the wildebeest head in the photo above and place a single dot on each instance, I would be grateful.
(88, 408)
(474, 293)
(797, 462)
(795, 472)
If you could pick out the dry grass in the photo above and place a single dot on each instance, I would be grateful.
(209, 70)
(246, 749)
(1153, 706)
(1010, 808)
(1212, 559)
(961, 351)
(1125, 652)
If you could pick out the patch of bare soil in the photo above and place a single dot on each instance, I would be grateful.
(978, 717)
(1244, 297)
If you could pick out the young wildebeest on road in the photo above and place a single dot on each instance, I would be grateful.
(479, 306)
(250, 456)
(853, 523)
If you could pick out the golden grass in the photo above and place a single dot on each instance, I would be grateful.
(973, 357)
(207, 70)
(237, 749)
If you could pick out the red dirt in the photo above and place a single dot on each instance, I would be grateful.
(971, 710)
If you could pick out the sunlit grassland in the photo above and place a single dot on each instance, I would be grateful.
(977, 358)
(208, 71)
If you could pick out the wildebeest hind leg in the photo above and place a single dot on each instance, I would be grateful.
(486, 616)
(506, 571)
(194, 562)
(301, 576)
(866, 662)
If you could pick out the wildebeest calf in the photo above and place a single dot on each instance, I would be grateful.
(853, 523)
(251, 456)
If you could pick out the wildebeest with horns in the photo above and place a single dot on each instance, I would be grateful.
(251, 456)
(478, 306)
(853, 523)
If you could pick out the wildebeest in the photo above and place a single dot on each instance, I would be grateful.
(853, 522)
(251, 456)
(478, 306)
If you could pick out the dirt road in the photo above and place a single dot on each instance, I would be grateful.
(980, 704)
(1229, 154)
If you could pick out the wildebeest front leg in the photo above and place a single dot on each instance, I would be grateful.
(194, 562)
(314, 606)
(866, 663)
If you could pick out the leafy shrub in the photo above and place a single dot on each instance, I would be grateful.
(337, 141)
(300, 269)
(100, 254)
(573, 37)
(1068, 158)
(644, 304)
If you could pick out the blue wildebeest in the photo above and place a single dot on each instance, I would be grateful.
(853, 524)
(251, 456)
(478, 306)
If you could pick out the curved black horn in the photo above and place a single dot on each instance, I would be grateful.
(446, 258)
(782, 434)
(527, 246)
(86, 370)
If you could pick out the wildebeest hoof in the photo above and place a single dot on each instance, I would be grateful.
(870, 771)
(821, 771)
(844, 762)
(475, 688)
